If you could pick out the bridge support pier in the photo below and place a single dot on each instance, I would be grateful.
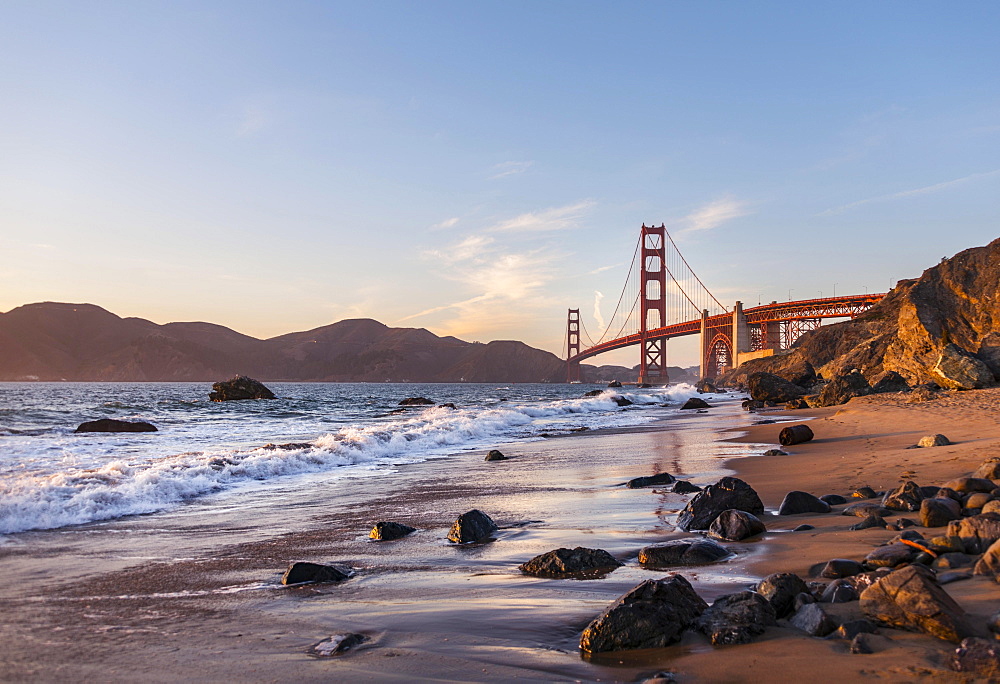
(653, 297)
(572, 345)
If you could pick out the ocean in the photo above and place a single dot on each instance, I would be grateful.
(52, 477)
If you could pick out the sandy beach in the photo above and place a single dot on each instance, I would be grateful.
(175, 597)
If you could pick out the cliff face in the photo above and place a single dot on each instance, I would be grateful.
(955, 302)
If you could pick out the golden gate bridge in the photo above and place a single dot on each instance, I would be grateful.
(663, 298)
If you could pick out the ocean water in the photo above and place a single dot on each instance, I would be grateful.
(51, 477)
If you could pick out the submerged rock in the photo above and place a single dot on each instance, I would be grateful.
(112, 425)
(694, 551)
(416, 401)
(728, 493)
(736, 618)
(300, 572)
(649, 481)
(240, 388)
(387, 531)
(473, 526)
(566, 562)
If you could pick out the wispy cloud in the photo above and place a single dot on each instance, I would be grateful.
(926, 190)
(510, 168)
(602, 269)
(598, 296)
(447, 223)
(713, 214)
(557, 218)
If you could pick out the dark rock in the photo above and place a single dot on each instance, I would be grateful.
(802, 502)
(950, 561)
(770, 387)
(989, 563)
(839, 591)
(795, 434)
(693, 551)
(968, 485)
(901, 524)
(803, 599)
(980, 657)
(976, 533)
(652, 615)
(685, 487)
(863, 509)
(289, 446)
(387, 531)
(850, 629)
(780, 589)
(614, 383)
(695, 403)
(728, 493)
(890, 381)
(495, 455)
(956, 368)
(868, 523)
(843, 388)
(906, 497)
(933, 441)
(993, 624)
(799, 403)
(803, 528)
(889, 556)
(661, 677)
(706, 386)
(841, 567)
(948, 493)
(300, 572)
(112, 425)
(472, 527)
(240, 388)
(335, 645)
(621, 401)
(911, 535)
(909, 599)
(813, 620)
(864, 493)
(649, 481)
(953, 576)
(752, 404)
(938, 512)
(416, 401)
(594, 393)
(448, 405)
(734, 525)
(775, 452)
(833, 499)
(736, 618)
(566, 562)
(865, 643)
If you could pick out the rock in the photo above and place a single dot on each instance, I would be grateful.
(889, 556)
(803, 599)
(901, 524)
(947, 493)
(921, 394)
(958, 369)
(728, 493)
(752, 404)
(802, 502)
(780, 589)
(952, 560)
(770, 387)
(112, 425)
(775, 452)
(661, 677)
(864, 493)
(685, 487)
(734, 525)
(387, 531)
(976, 533)
(448, 405)
(890, 381)
(813, 620)
(991, 507)
(614, 383)
(977, 500)
(706, 386)
(495, 455)
(980, 657)
(865, 643)
(695, 403)
(850, 629)
(416, 401)
(803, 528)
(843, 388)
(989, 563)
(841, 567)
(863, 509)
(839, 591)
(833, 499)
(472, 527)
(938, 512)
(651, 615)
(238, 389)
(967, 485)
(993, 624)
(872, 521)
(989, 469)
(693, 551)
(909, 599)
(565, 562)
(906, 497)
(336, 644)
(933, 441)
(621, 401)
(649, 481)
(736, 618)
(594, 393)
(795, 434)
(799, 403)
(953, 576)
(300, 572)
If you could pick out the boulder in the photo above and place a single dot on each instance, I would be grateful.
(770, 387)
(693, 551)
(813, 620)
(775, 452)
(567, 562)
(977, 500)
(472, 527)
(869, 522)
(651, 615)
(614, 383)
(889, 556)
(495, 455)
(799, 403)
(112, 425)
(706, 386)
(833, 499)
(864, 493)
(947, 493)
(695, 403)
(300, 572)
(685, 487)
(933, 441)
(594, 393)
(989, 563)
(909, 599)
(938, 512)
(967, 485)
(958, 369)
(780, 589)
(863, 509)
(843, 388)
(416, 401)
(841, 567)
(978, 657)
(991, 507)
(387, 531)
(890, 381)
(795, 434)
(905, 497)
(802, 502)
(728, 493)
(734, 525)
(989, 469)
(621, 401)
(240, 388)
(752, 404)
(736, 618)
(650, 480)
(839, 591)
(952, 560)
(976, 533)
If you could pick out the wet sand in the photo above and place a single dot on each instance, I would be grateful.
(177, 596)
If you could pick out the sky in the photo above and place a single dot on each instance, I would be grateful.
(476, 169)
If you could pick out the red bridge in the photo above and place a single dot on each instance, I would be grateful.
(668, 300)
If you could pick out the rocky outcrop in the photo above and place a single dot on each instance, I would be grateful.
(568, 562)
(976, 533)
(112, 425)
(473, 526)
(240, 388)
(842, 388)
(728, 493)
(694, 551)
(770, 387)
(652, 615)
(789, 367)
(910, 599)
(958, 369)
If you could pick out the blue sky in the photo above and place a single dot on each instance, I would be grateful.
(478, 168)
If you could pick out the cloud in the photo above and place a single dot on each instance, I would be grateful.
(510, 168)
(557, 218)
(926, 190)
(602, 269)
(447, 223)
(712, 215)
(598, 296)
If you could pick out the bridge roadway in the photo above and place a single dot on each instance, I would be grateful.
(759, 316)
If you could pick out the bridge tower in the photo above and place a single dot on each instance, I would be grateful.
(572, 345)
(653, 296)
